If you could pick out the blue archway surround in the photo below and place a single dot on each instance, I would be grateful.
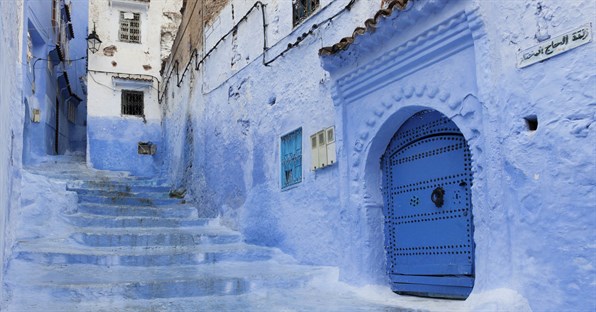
(384, 78)
(428, 208)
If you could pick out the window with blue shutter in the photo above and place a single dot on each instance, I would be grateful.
(291, 158)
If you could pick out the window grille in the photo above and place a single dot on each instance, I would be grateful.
(29, 48)
(303, 9)
(291, 158)
(132, 103)
(130, 27)
(72, 112)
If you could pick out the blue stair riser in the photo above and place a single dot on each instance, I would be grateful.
(137, 211)
(190, 288)
(190, 258)
(133, 201)
(127, 188)
(160, 239)
(134, 222)
(111, 184)
(159, 194)
(208, 286)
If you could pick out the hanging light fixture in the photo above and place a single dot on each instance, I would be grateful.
(93, 41)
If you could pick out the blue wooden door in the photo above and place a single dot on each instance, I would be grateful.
(428, 209)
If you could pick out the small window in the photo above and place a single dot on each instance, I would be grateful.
(130, 27)
(303, 9)
(330, 135)
(132, 103)
(72, 112)
(291, 158)
(29, 48)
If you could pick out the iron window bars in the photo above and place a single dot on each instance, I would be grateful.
(303, 9)
(130, 28)
(132, 103)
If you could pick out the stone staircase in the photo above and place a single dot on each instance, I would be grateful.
(130, 247)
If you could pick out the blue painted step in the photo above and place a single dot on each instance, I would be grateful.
(141, 256)
(121, 199)
(90, 220)
(157, 237)
(128, 188)
(87, 282)
(177, 211)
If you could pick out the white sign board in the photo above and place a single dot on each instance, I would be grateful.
(555, 46)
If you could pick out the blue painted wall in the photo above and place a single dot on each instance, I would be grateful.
(113, 144)
(77, 70)
(533, 191)
(41, 88)
(11, 124)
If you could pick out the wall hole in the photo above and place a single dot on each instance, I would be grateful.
(531, 122)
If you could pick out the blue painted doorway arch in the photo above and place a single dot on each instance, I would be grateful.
(429, 239)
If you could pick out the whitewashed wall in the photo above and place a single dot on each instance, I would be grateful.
(534, 191)
(11, 120)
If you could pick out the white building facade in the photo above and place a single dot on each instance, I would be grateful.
(123, 114)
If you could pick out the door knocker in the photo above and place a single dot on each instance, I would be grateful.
(437, 197)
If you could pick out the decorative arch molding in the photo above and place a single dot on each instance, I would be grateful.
(384, 78)
(367, 140)
(388, 114)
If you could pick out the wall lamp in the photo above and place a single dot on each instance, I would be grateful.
(93, 41)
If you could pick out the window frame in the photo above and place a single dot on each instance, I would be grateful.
(290, 157)
(296, 21)
(123, 111)
(128, 22)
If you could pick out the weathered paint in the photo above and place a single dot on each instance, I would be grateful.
(112, 137)
(120, 152)
(11, 124)
(41, 87)
(532, 226)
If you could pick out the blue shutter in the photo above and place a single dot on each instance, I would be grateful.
(291, 158)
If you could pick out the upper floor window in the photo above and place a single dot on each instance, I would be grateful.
(133, 103)
(130, 27)
(291, 158)
(303, 9)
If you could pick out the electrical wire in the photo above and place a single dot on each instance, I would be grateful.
(314, 27)
(127, 76)
(43, 59)
(194, 54)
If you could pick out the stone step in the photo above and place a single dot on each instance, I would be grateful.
(114, 184)
(148, 191)
(101, 237)
(176, 211)
(55, 252)
(333, 297)
(92, 220)
(87, 282)
(122, 199)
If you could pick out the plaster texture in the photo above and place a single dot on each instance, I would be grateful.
(121, 66)
(55, 132)
(533, 191)
(89, 241)
(77, 72)
(11, 124)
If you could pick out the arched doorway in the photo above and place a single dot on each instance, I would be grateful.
(428, 208)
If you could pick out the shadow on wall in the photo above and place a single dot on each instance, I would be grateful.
(260, 225)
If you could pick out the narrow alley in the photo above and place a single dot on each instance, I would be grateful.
(304, 155)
